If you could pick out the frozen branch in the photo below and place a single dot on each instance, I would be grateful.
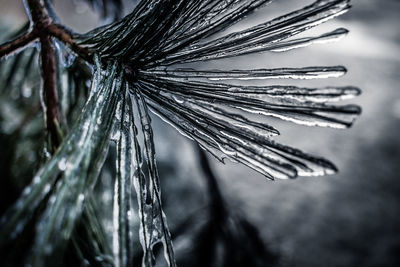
(17, 44)
(66, 36)
(49, 75)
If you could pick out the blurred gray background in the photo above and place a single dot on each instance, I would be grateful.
(348, 219)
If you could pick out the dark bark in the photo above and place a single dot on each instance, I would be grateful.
(41, 20)
(65, 35)
(17, 44)
(49, 76)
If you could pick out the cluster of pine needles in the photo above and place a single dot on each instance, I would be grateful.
(101, 86)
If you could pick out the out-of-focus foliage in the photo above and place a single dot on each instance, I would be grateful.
(107, 8)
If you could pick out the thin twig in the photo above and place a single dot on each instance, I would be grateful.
(17, 44)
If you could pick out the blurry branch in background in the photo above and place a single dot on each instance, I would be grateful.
(217, 203)
(108, 8)
(227, 235)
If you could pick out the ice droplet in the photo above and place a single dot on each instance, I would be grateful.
(62, 164)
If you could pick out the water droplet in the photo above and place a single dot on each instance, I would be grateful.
(81, 197)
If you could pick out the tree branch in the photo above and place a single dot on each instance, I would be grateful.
(45, 28)
(66, 36)
(17, 44)
(49, 75)
(40, 15)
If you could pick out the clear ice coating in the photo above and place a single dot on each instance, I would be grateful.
(204, 122)
(178, 29)
(122, 236)
(255, 74)
(153, 226)
(301, 105)
(71, 172)
(129, 166)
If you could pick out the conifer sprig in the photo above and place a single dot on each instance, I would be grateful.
(130, 64)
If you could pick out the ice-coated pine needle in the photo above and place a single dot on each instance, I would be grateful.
(153, 215)
(300, 105)
(82, 155)
(256, 151)
(208, 110)
(123, 212)
(254, 74)
(70, 173)
(268, 36)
